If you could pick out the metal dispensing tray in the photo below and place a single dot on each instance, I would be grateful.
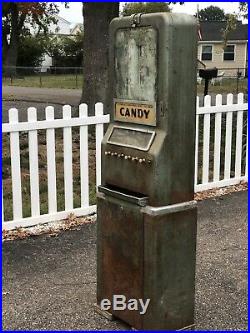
(131, 137)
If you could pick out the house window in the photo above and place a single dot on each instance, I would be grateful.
(206, 53)
(229, 52)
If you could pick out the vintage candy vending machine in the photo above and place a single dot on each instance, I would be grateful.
(147, 215)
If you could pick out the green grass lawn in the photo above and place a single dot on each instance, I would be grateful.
(227, 86)
(66, 81)
(70, 81)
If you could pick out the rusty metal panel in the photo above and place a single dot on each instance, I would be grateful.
(135, 63)
(169, 270)
(120, 254)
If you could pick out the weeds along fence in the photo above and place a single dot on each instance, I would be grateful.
(51, 167)
(230, 80)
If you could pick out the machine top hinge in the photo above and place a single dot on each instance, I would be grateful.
(136, 20)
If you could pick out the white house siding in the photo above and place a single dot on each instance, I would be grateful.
(217, 56)
(47, 62)
(62, 27)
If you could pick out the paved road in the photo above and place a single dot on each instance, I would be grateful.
(46, 95)
(49, 283)
(24, 97)
(40, 106)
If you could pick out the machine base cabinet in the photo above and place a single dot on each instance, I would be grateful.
(147, 256)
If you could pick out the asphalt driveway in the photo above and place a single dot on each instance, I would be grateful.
(49, 283)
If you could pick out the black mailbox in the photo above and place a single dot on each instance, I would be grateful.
(208, 73)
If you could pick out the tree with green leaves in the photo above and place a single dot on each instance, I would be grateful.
(212, 13)
(66, 51)
(31, 50)
(18, 18)
(232, 19)
(243, 9)
(131, 8)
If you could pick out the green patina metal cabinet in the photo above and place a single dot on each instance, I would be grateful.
(146, 211)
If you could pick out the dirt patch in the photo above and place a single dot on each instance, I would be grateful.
(73, 223)
(217, 192)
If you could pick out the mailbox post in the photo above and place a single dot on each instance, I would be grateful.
(146, 210)
(207, 74)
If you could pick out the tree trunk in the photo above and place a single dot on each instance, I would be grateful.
(9, 60)
(97, 17)
(10, 49)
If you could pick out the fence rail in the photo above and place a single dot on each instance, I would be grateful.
(220, 156)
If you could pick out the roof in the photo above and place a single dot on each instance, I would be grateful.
(212, 31)
(59, 18)
(76, 26)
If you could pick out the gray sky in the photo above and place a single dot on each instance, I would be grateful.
(74, 12)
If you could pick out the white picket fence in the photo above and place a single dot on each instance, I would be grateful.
(218, 177)
(14, 128)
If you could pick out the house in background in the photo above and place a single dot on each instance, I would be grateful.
(61, 28)
(211, 48)
(77, 29)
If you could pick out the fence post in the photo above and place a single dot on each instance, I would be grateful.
(84, 157)
(67, 152)
(76, 78)
(217, 140)
(40, 77)
(228, 139)
(197, 142)
(99, 135)
(15, 167)
(33, 164)
(51, 162)
(206, 141)
(238, 145)
(237, 84)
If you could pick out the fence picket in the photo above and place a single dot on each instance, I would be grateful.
(246, 157)
(239, 132)
(68, 172)
(196, 144)
(51, 162)
(99, 136)
(15, 167)
(217, 141)
(33, 164)
(84, 157)
(228, 144)
(2, 207)
(206, 141)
